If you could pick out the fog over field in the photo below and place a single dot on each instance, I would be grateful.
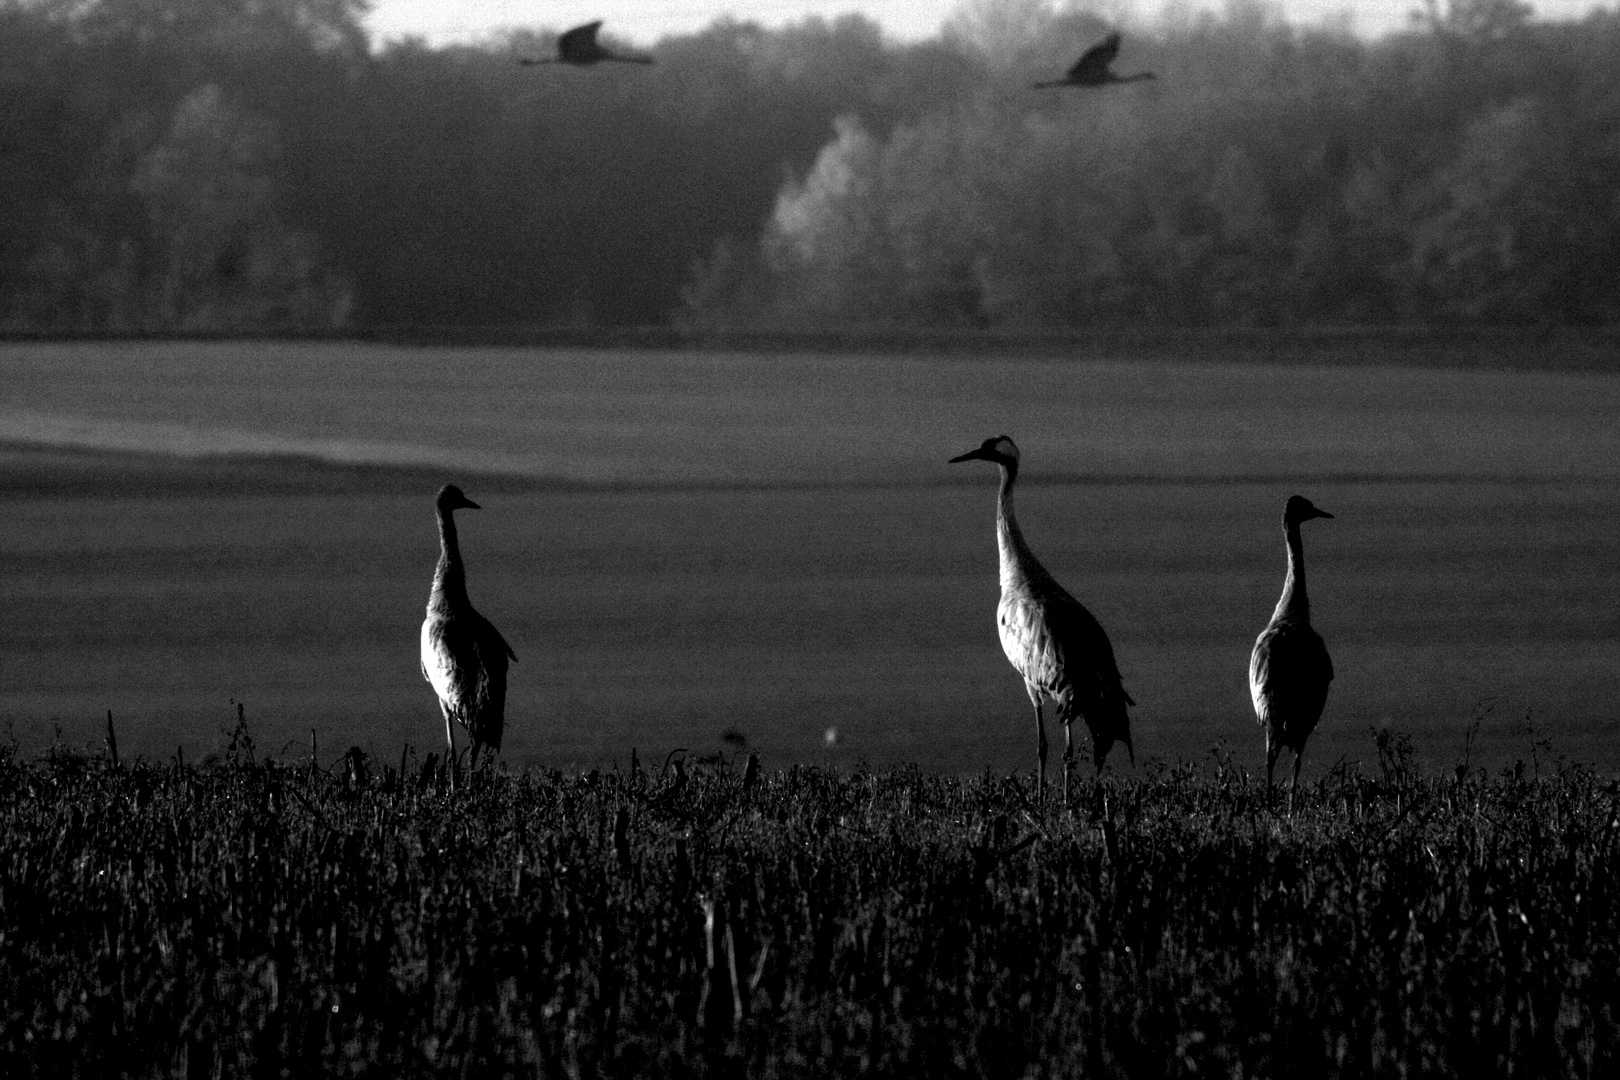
(678, 544)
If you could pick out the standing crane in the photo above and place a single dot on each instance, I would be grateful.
(580, 48)
(464, 658)
(1054, 643)
(1290, 669)
(1093, 68)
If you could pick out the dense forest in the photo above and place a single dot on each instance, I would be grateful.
(219, 166)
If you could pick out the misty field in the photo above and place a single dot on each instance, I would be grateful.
(263, 918)
(682, 544)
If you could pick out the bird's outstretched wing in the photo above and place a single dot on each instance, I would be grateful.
(579, 39)
(1093, 63)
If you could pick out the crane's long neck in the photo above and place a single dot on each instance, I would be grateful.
(1018, 563)
(1294, 603)
(449, 577)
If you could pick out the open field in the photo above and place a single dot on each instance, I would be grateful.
(681, 544)
(268, 919)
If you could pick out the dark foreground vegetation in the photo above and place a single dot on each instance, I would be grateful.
(272, 918)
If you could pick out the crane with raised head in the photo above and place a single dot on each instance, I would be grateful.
(1289, 670)
(1094, 68)
(580, 48)
(1051, 639)
(464, 658)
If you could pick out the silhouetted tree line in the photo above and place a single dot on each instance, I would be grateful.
(254, 165)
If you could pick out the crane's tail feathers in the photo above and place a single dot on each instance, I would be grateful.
(488, 735)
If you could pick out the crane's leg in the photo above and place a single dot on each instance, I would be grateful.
(1299, 757)
(450, 743)
(1273, 747)
(1068, 755)
(1040, 734)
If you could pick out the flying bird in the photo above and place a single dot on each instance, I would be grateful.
(580, 48)
(1092, 69)
(464, 658)
(1290, 670)
(1054, 643)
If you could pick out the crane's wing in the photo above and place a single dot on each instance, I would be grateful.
(441, 662)
(584, 34)
(1093, 63)
(1289, 673)
(1060, 649)
(1087, 654)
(465, 659)
(496, 642)
(581, 40)
(487, 721)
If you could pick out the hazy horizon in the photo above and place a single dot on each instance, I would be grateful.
(445, 22)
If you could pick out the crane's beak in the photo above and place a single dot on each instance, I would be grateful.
(971, 455)
(1320, 513)
(470, 505)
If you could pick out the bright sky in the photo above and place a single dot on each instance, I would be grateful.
(643, 22)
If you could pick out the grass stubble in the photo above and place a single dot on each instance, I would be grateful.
(701, 919)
